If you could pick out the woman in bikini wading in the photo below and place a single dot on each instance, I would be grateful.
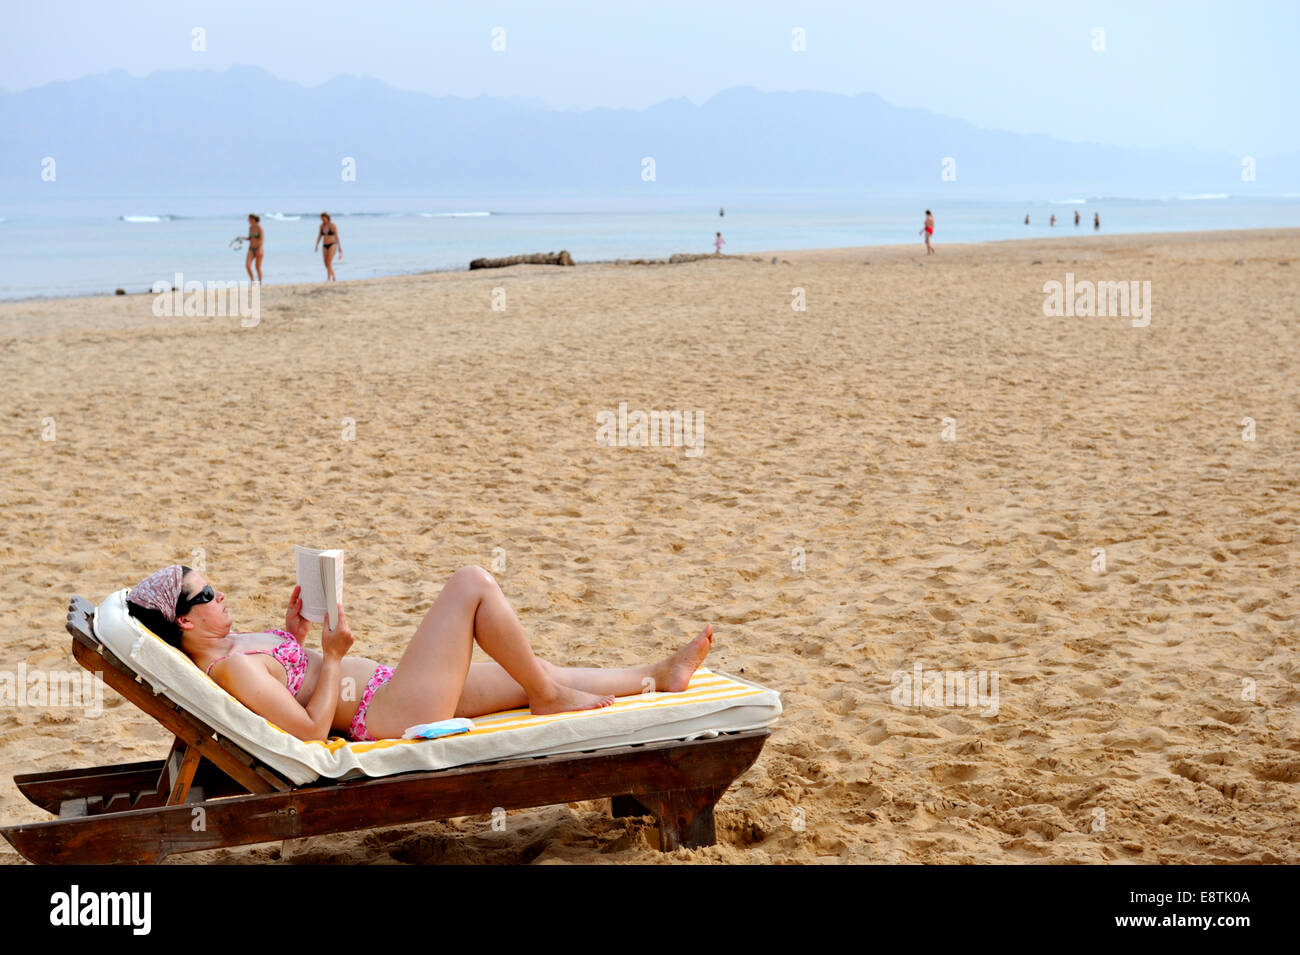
(302, 691)
(330, 233)
(254, 239)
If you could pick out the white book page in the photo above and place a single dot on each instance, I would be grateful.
(320, 575)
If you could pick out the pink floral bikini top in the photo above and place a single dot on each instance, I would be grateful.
(289, 654)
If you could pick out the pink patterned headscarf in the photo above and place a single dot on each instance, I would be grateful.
(159, 591)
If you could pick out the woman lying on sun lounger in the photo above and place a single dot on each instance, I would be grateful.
(303, 692)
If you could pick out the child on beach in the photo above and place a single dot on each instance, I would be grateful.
(928, 230)
(718, 243)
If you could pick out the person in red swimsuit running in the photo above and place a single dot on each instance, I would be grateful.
(302, 691)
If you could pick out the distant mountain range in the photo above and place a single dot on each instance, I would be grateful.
(245, 132)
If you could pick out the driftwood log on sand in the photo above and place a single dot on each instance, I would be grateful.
(540, 258)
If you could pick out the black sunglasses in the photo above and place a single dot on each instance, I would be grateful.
(206, 595)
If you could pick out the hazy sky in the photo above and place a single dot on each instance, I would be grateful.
(1222, 76)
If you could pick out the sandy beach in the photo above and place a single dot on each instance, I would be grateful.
(920, 469)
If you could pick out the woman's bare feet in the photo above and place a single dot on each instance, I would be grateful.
(674, 674)
(565, 699)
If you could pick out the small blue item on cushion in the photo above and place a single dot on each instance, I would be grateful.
(450, 727)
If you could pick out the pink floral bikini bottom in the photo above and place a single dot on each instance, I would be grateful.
(358, 729)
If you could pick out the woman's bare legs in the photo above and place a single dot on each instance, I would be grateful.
(430, 678)
(490, 689)
(329, 262)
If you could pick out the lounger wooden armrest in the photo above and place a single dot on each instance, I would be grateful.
(211, 793)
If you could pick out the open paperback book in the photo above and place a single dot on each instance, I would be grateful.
(320, 575)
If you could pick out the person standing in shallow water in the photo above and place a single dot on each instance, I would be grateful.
(1096, 220)
(1076, 217)
(927, 230)
(718, 243)
(254, 239)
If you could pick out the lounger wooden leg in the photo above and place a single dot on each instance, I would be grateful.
(685, 816)
(183, 775)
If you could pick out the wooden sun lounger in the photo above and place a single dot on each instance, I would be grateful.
(210, 793)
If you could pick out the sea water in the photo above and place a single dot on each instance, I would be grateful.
(92, 246)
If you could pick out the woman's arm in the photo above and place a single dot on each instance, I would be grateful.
(320, 233)
(249, 682)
